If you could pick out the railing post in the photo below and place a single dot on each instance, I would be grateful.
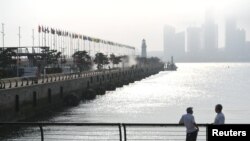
(206, 132)
(120, 131)
(3, 85)
(125, 132)
(16, 83)
(42, 135)
(27, 82)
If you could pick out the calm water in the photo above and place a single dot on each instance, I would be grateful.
(163, 98)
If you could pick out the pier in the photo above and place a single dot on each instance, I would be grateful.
(24, 98)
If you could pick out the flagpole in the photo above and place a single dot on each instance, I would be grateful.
(99, 47)
(42, 35)
(71, 45)
(3, 34)
(19, 44)
(51, 39)
(39, 31)
(84, 44)
(78, 43)
(48, 37)
(54, 38)
(89, 48)
(94, 48)
(33, 38)
(45, 37)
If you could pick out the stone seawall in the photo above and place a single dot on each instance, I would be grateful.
(24, 102)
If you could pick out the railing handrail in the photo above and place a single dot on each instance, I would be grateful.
(59, 123)
(122, 127)
(101, 123)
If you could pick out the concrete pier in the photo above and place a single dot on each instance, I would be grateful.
(19, 103)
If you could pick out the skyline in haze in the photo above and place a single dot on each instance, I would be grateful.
(126, 22)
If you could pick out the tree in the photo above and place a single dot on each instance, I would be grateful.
(115, 59)
(47, 57)
(82, 60)
(7, 62)
(52, 57)
(6, 58)
(101, 60)
(125, 60)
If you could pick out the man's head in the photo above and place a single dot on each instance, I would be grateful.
(218, 108)
(190, 110)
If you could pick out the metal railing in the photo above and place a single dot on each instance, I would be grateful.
(97, 131)
(27, 81)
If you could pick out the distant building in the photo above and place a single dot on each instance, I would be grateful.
(168, 41)
(210, 34)
(230, 30)
(144, 49)
(174, 43)
(235, 39)
(194, 40)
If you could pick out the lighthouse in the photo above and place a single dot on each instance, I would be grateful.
(144, 49)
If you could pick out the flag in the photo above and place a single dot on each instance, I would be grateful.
(89, 38)
(39, 28)
(43, 29)
(52, 31)
(85, 37)
(47, 30)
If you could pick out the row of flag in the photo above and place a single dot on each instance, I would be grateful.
(58, 32)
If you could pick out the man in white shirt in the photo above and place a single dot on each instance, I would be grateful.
(220, 118)
(189, 122)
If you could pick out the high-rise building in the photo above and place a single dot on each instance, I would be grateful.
(235, 39)
(144, 49)
(210, 34)
(174, 43)
(168, 39)
(194, 40)
(179, 49)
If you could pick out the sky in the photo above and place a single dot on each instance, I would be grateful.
(122, 21)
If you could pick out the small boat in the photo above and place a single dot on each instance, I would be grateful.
(170, 66)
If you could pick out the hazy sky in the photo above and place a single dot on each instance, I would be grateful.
(123, 21)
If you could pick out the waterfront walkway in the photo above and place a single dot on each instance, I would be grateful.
(9, 83)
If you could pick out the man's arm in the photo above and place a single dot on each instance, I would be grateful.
(216, 120)
(196, 126)
(181, 120)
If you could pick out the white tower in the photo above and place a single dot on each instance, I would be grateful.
(144, 49)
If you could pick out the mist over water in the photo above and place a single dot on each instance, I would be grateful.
(163, 98)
